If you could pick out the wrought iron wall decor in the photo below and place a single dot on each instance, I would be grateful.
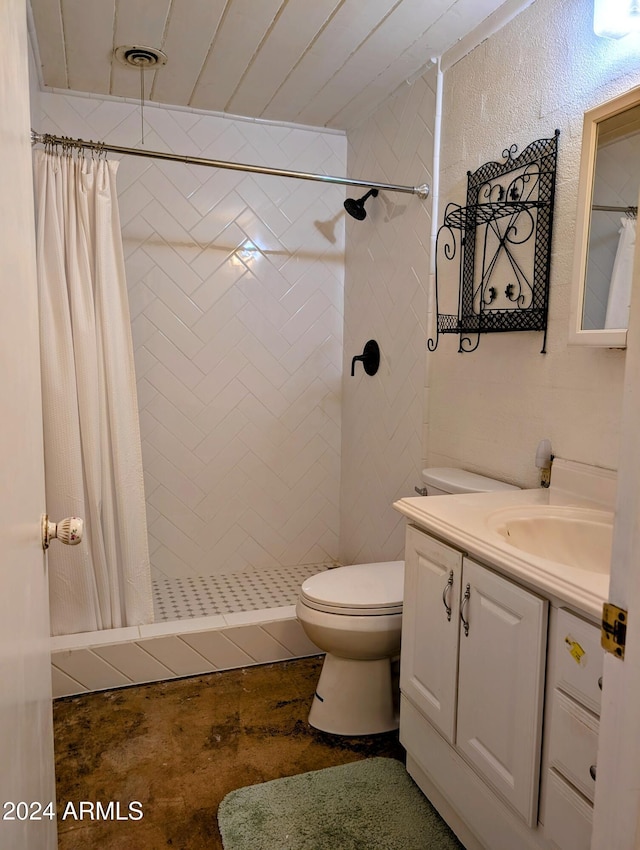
(504, 234)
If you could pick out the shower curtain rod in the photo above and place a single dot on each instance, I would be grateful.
(47, 139)
(601, 207)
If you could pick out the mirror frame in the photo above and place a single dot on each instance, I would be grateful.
(605, 338)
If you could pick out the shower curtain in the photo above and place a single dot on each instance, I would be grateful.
(617, 315)
(93, 462)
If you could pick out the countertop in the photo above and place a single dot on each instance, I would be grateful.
(462, 521)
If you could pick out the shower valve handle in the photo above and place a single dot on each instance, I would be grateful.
(67, 531)
(370, 358)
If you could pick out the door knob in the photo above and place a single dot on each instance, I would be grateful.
(67, 531)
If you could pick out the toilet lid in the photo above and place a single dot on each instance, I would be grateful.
(365, 589)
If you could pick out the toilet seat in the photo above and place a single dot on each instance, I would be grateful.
(363, 590)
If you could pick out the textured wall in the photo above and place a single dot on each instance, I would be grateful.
(386, 276)
(236, 293)
(489, 409)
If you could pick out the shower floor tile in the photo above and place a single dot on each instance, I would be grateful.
(250, 590)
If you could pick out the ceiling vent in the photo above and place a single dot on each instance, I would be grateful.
(136, 56)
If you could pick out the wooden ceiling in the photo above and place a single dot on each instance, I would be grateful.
(327, 63)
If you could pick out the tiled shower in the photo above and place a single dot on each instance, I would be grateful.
(236, 298)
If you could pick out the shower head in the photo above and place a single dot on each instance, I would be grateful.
(356, 208)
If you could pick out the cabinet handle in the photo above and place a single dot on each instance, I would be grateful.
(600, 682)
(465, 599)
(445, 592)
(592, 772)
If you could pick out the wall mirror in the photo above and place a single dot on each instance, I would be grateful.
(606, 222)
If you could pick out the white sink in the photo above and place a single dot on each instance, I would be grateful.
(575, 537)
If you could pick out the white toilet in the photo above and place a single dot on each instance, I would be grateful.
(354, 614)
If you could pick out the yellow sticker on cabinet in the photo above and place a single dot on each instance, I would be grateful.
(575, 650)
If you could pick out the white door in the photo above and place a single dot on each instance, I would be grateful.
(26, 737)
(429, 660)
(617, 800)
(501, 684)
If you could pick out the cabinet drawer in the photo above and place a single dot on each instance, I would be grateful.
(573, 745)
(579, 659)
(568, 816)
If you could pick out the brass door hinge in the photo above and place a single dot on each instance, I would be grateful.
(613, 634)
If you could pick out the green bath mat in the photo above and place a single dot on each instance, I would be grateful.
(371, 804)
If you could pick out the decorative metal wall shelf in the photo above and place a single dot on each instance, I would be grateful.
(504, 234)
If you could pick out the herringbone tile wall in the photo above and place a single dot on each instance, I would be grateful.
(236, 295)
(387, 271)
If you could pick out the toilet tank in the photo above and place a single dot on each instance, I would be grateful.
(444, 480)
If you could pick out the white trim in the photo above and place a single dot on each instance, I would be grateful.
(149, 104)
(432, 316)
(33, 44)
(614, 337)
(498, 19)
(435, 178)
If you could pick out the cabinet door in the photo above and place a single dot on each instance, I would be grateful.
(501, 684)
(429, 660)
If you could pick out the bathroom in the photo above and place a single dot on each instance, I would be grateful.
(485, 411)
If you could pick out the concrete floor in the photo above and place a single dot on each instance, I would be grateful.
(179, 747)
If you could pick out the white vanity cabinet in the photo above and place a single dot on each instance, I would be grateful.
(501, 663)
(472, 667)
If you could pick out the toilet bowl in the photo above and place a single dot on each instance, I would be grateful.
(354, 615)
